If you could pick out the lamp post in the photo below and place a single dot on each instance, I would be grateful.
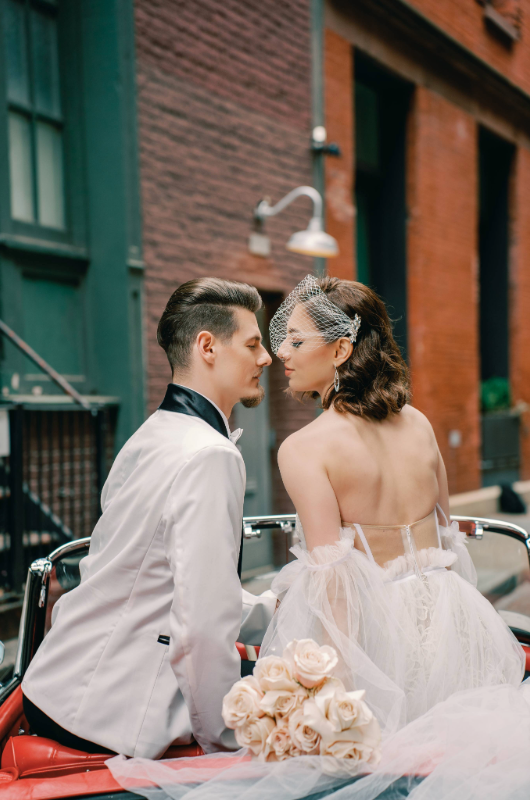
(313, 241)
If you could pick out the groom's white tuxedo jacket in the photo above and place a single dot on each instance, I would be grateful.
(142, 652)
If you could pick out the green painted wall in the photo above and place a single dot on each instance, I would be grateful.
(114, 281)
(76, 294)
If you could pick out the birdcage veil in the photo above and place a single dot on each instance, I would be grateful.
(318, 321)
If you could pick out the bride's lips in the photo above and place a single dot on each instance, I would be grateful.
(288, 372)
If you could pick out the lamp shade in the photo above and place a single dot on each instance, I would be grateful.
(313, 241)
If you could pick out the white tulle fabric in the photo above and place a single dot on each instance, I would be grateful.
(441, 670)
(409, 643)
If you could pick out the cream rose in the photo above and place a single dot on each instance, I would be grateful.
(253, 734)
(361, 740)
(274, 674)
(309, 663)
(303, 729)
(325, 694)
(355, 744)
(347, 709)
(242, 703)
(278, 744)
(281, 704)
(316, 720)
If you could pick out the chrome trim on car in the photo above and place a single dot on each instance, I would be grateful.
(253, 526)
(69, 547)
(34, 609)
(497, 526)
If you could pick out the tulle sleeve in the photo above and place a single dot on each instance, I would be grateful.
(455, 540)
(336, 596)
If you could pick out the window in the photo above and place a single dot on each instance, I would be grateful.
(382, 104)
(35, 118)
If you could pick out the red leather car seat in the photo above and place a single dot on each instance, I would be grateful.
(33, 756)
(36, 757)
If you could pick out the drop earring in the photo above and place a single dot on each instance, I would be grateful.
(336, 381)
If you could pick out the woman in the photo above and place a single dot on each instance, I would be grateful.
(381, 576)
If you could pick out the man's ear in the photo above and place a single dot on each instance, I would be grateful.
(343, 350)
(206, 346)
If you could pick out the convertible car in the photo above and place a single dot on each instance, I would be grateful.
(38, 768)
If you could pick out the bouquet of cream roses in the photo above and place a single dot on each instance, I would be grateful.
(293, 706)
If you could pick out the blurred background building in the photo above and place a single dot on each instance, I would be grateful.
(136, 140)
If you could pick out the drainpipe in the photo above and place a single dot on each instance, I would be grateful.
(317, 107)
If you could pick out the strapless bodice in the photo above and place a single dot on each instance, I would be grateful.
(402, 550)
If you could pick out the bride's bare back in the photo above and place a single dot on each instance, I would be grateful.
(344, 467)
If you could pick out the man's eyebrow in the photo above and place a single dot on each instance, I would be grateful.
(256, 338)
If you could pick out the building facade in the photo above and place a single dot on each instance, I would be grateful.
(430, 104)
(224, 110)
(137, 138)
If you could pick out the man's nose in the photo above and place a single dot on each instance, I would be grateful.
(264, 359)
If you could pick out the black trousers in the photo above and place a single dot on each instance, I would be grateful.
(42, 725)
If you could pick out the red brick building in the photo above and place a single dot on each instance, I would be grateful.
(429, 199)
(224, 107)
(463, 73)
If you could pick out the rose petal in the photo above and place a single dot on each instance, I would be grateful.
(273, 674)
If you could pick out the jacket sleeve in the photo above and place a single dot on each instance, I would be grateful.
(202, 538)
(258, 611)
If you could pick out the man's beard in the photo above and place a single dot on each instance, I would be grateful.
(252, 402)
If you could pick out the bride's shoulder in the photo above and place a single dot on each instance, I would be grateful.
(304, 443)
(299, 441)
(313, 440)
(413, 416)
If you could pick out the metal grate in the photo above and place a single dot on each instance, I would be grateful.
(50, 483)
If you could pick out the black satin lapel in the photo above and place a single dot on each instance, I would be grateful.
(182, 400)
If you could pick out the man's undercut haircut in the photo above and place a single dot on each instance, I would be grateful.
(203, 304)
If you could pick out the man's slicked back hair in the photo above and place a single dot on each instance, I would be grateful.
(203, 304)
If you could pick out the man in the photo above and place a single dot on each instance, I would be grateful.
(142, 652)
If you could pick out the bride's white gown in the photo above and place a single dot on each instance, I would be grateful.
(411, 632)
(441, 670)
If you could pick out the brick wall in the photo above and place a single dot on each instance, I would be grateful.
(340, 210)
(442, 278)
(520, 297)
(442, 246)
(464, 20)
(224, 120)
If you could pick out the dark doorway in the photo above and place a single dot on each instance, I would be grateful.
(495, 162)
(500, 428)
(382, 103)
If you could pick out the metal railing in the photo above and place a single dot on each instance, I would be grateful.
(51, 480)
(50, 484)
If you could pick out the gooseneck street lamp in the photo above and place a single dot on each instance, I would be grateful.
(314, 241)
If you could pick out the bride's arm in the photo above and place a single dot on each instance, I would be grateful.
(443, 490)
(307, 483)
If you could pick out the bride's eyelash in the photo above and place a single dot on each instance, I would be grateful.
(296, 344)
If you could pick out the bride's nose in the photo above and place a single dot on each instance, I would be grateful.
(282, 352)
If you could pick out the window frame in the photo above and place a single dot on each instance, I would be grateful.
(19, 233)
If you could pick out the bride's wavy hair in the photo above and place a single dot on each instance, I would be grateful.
(374, 380)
